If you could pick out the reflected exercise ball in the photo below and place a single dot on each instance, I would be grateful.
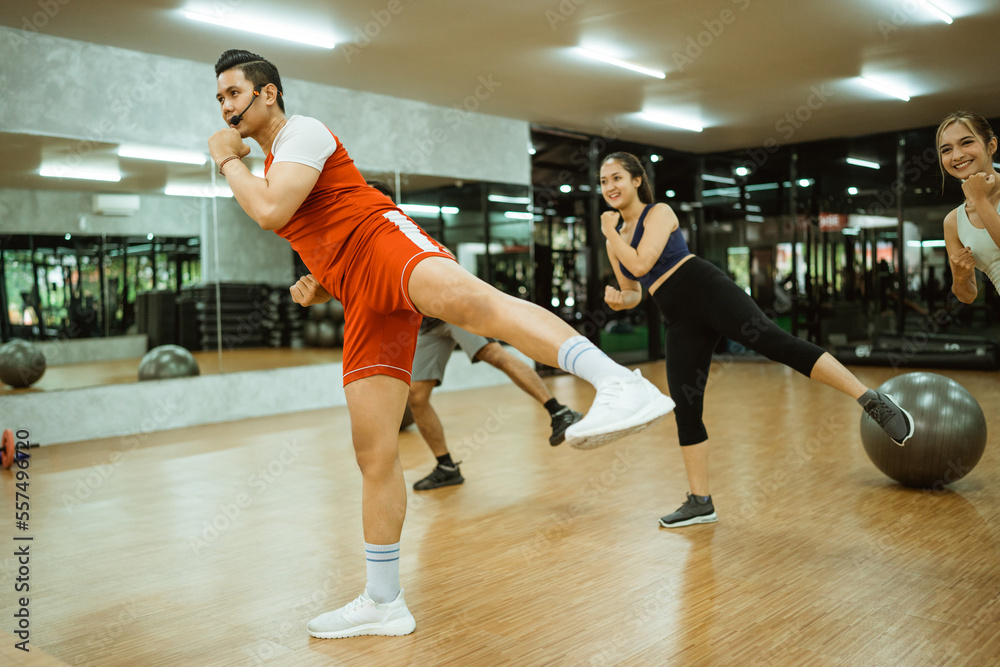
(21, 363)
(949, 433)
(168, 361)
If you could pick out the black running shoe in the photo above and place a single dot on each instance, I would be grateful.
(692, 511)
(561, 421)
(441, 476)
(894, 420)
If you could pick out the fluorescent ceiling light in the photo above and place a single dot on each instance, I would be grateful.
(938, 243)
(503, 199)
(197, 191)
(852, 190)
(938, 12)
(621, 63)
(756, 187)
(719, 179)
(805, 182)
(161, 154)
(883, 88)
(261, 27)
(82, 173)
(671, 193)
(672, 121)
(863, 163)
(755, 218)
(426, 210)
(721, 192)
(517, 215)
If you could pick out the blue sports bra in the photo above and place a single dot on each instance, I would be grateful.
(675, 250)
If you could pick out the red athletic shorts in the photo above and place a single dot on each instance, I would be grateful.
(380, 321)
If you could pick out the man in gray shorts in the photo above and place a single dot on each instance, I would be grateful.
(435, 343)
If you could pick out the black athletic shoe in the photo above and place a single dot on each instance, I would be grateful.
(692, 511)
(894, 420)
(561, 421)
(440, 476)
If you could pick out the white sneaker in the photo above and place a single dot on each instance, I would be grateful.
(622, 406)
(364, 616)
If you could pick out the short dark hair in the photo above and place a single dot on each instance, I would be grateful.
(635, 169)
(258, 70)
(383, 187)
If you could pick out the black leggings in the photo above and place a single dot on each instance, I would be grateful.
(701, 304)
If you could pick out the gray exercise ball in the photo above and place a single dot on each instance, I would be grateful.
(22, 364)
(168, 361)
(949, 434)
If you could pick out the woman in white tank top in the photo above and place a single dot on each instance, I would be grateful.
(966, 148)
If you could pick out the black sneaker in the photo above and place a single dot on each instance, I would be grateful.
(441, 476)
(884, 411)
(692, 511)
(561, 421)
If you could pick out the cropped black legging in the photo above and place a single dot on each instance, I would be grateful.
(701, 304)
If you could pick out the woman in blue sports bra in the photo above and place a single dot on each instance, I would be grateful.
(701, 304)
(966, 148)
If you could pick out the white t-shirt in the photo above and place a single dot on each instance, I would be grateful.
(305, 141)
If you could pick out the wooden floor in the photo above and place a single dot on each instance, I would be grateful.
(123, 371)
(215, 545)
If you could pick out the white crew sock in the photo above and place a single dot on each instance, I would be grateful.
(579, 356)
(383, 571)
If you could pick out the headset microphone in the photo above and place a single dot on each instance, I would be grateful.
(235, 120)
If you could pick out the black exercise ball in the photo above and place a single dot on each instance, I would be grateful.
(21, 363)
(949, 433)
(168, 361)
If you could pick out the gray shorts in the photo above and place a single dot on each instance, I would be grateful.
(434, 348)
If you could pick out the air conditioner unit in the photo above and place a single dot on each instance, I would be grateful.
(116, 204)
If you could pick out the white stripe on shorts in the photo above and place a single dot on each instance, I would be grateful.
(411, 231)
(414, 234)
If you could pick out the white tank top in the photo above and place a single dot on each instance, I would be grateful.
(983, 248)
